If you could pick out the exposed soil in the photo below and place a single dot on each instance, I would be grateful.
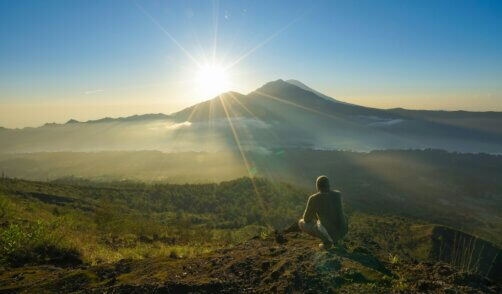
(282, 262)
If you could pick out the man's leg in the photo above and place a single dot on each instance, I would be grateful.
(322, 230)
(313, 230)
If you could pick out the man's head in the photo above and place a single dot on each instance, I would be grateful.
(322, 184)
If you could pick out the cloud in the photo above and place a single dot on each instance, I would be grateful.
(179, 125)
(236, 121)
(387, 123)
(377, 121)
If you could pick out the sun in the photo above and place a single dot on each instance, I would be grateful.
(212, 80)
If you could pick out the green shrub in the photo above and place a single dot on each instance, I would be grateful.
(6, 207)
(34, 243)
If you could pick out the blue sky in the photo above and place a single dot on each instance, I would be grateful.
(89, 59)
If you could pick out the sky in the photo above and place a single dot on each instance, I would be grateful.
(91, 59)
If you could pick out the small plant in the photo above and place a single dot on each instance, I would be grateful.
(401, 285)
(400, 282)
(394, 259)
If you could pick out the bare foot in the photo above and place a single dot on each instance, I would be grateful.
(324, 246)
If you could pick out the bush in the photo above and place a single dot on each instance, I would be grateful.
(6, 207)
(34, 243)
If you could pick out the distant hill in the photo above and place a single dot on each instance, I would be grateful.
(488, 121)
(279, 114)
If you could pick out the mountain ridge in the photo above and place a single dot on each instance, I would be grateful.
(276, 115)
(293, 82)
(307, 88)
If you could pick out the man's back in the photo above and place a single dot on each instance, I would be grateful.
(327, 207)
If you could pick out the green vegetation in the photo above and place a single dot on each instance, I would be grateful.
(131, 234)
(394, 259)
(35, 243)
(452, 189)
(110, 221)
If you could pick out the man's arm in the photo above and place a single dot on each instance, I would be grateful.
(310, 212)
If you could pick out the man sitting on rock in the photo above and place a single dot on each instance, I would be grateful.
(323, 217)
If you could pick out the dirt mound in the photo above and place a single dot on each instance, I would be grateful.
(281, 262)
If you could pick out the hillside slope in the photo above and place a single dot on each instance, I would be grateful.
(280, 262)
(123, 237)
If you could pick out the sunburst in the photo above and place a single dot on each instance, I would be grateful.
(213, 78)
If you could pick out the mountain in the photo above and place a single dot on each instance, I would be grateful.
(133, 118)
(279, 114)
(299, 117)
(307, 88)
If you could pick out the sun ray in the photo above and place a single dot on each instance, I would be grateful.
(152, 19)
(194, 109)
(299, 106)
(251, 113)
(179, 134)
(243, 155)
(264, 42)
(148, 85)
(242, 105)
(210, 114)
(199, 45)
(216, 6)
